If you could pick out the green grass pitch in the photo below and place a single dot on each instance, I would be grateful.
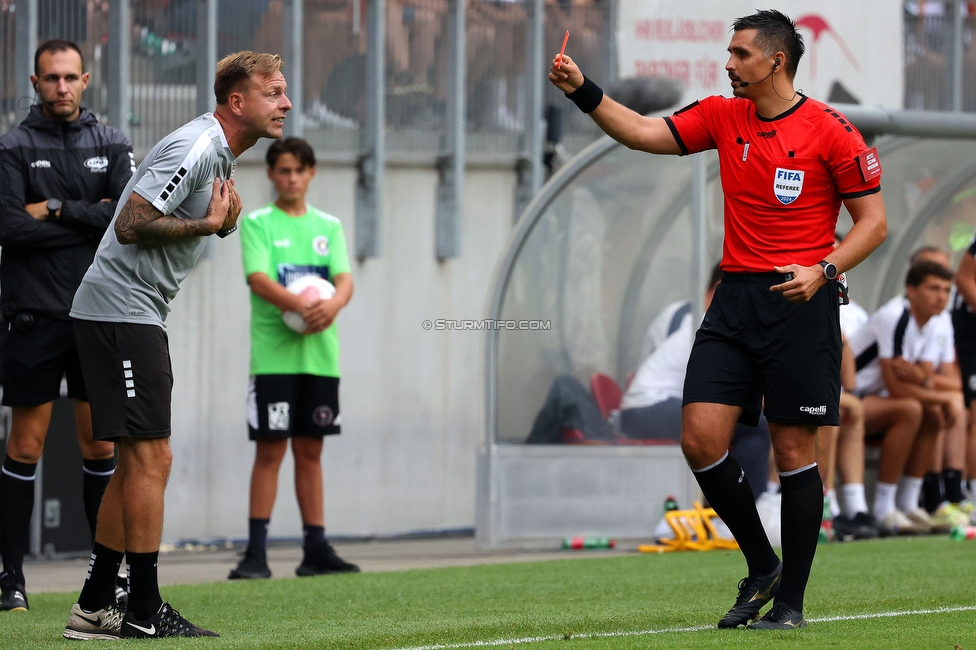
(896, 593)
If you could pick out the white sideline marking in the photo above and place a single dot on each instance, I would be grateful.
(672, 630)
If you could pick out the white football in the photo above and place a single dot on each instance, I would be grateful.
(309, 287)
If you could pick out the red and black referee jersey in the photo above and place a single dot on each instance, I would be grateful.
(784, 177)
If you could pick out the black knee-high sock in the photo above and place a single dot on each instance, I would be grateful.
(257, 535)
(144, 598)
(99, 588)
(312, 536)
(932, 491)
(16, 507)
(97, 474)
(800, 521)
(727, 490)
(952, 478)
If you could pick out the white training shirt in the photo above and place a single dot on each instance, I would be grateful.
(876, 340)
(662, 374)
(667, 321)
(852, 318)
(943, 341)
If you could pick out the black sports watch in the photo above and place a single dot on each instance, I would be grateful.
(829, 269)
(53, 205)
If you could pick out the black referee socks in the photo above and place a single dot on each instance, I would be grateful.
(802, 513)
(727, 491)
(16, 507)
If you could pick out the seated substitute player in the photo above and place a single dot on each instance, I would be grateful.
(294, 391)
(651, 405)
(942, 489)
(942, 495)
(771, 335)
(843, 456)
(964, 327)
(852, 519)
(896, 351)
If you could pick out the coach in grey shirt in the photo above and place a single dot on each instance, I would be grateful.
(182, 193)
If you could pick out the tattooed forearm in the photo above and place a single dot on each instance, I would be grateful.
(140, 222)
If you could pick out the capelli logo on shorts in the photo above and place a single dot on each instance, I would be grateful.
(814, 410)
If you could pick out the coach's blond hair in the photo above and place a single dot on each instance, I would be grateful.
(234, 71)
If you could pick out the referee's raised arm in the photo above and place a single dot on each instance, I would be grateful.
(629, 128)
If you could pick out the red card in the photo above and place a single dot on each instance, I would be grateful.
(869, 164)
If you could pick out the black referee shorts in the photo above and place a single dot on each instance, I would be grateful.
(38, 353)
(761, 352)
(129, 377)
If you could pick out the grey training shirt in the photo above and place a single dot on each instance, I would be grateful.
(134, 283)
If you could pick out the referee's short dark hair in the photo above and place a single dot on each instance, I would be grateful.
(919, 271)
(295, 146)
(54, 46)
(775, 32)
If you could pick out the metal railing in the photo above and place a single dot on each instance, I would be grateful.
(167, 41)
(165, 49)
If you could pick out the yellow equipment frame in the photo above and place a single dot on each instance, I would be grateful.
(693, 529)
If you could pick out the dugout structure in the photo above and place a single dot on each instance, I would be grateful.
(613, 238)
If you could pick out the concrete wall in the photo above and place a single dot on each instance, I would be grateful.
(412, 400)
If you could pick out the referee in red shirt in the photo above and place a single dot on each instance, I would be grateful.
(771, 337)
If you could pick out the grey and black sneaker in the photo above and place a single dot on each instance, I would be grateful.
(753, 594)
(253, 566)
(321, 560)
(13, 596)
(166, 622)
(103, 624)
(780, 617)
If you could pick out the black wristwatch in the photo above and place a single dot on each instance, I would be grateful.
(829, 269)
(53, 205)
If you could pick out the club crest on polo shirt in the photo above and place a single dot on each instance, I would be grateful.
(787, 185)
(321, 245)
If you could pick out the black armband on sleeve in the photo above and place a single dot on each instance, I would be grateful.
(587, 97)
(224, 233)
